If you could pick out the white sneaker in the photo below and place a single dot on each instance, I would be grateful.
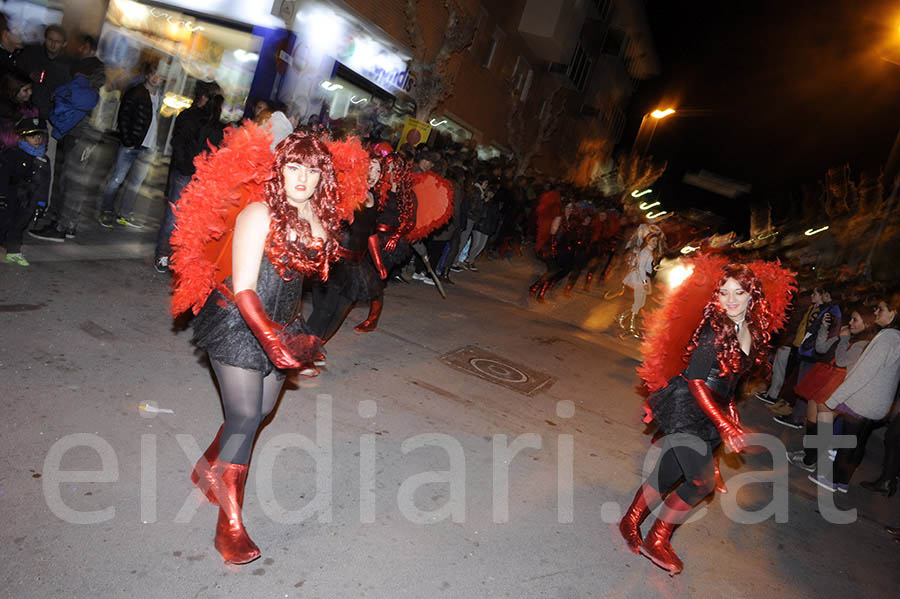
(417, 276)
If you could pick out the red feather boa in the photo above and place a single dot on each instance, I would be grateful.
(671, 327)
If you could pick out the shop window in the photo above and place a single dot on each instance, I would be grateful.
(188, 48)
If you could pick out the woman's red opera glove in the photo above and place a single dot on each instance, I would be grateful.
(731, 432)
(375, 252)
(265, 330)
(391, 244)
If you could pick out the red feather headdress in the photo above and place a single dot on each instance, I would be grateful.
(671, 327)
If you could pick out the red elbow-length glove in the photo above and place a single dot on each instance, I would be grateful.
(254, 315)
(375, 252)
(730, 431)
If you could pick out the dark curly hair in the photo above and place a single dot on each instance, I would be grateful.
(757, 320)
(304, 253)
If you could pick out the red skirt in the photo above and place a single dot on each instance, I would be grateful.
(820, 382)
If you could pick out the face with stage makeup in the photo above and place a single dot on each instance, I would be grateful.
(300, 182)
(733, 299)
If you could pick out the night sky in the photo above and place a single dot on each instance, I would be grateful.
(772, 92)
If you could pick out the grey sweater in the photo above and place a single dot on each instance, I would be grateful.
(845, 354)
(871, 383)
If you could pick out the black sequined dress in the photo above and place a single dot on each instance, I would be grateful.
(354, 276)
(220, 329)
(674, 407)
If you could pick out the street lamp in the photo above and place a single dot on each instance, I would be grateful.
(657, 115)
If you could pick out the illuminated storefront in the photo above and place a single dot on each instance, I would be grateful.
(341, 68)
(187, 48)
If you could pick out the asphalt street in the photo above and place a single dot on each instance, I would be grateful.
(394, 474)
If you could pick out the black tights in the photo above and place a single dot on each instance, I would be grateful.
(679, 461)
(248, 397)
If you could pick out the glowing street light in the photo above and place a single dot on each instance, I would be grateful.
(646, 206)
(637, 194)
(657, 115)
(811, 232)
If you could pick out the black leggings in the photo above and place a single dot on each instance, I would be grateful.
(679, 461)
(248, 397)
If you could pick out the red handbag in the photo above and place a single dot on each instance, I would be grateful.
(820, 382)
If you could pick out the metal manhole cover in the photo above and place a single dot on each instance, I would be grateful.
(497, 369)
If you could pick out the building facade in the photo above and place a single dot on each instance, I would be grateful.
(546, 81)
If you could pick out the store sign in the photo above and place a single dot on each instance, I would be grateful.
(377, 64)
(332, 34)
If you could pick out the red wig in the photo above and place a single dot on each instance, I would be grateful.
(395, 172)
(307, 255)
(758, 321)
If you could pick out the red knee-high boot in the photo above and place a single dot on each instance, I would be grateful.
(203, 475)
(643, 503)
(656, 544)
(370, 323)
(232, 540)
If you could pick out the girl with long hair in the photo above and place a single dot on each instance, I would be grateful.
(866, 394)
(824, 377)
(251, 325)
(695, 408)
(15, 104)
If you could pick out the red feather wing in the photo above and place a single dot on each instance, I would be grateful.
(351, 166)
(779, 285)
(434, 196)
(226, 180)
(671, 327)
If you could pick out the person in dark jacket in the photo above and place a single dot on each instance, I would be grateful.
(25, 183)
(46, 65)
(137, 136)
(9, 46)
(193, 131)
(72, 103)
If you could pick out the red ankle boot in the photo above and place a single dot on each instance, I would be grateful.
(643, 503)
(203, 475)
(370, 323)
(232, 540)
(656, 544)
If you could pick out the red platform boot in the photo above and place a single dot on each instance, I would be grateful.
(232, 540)
(656, 544)
(370, 323)
(203, 475)
(643, 503)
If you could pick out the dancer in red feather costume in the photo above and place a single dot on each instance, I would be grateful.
(250, 227)
(711, 331)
